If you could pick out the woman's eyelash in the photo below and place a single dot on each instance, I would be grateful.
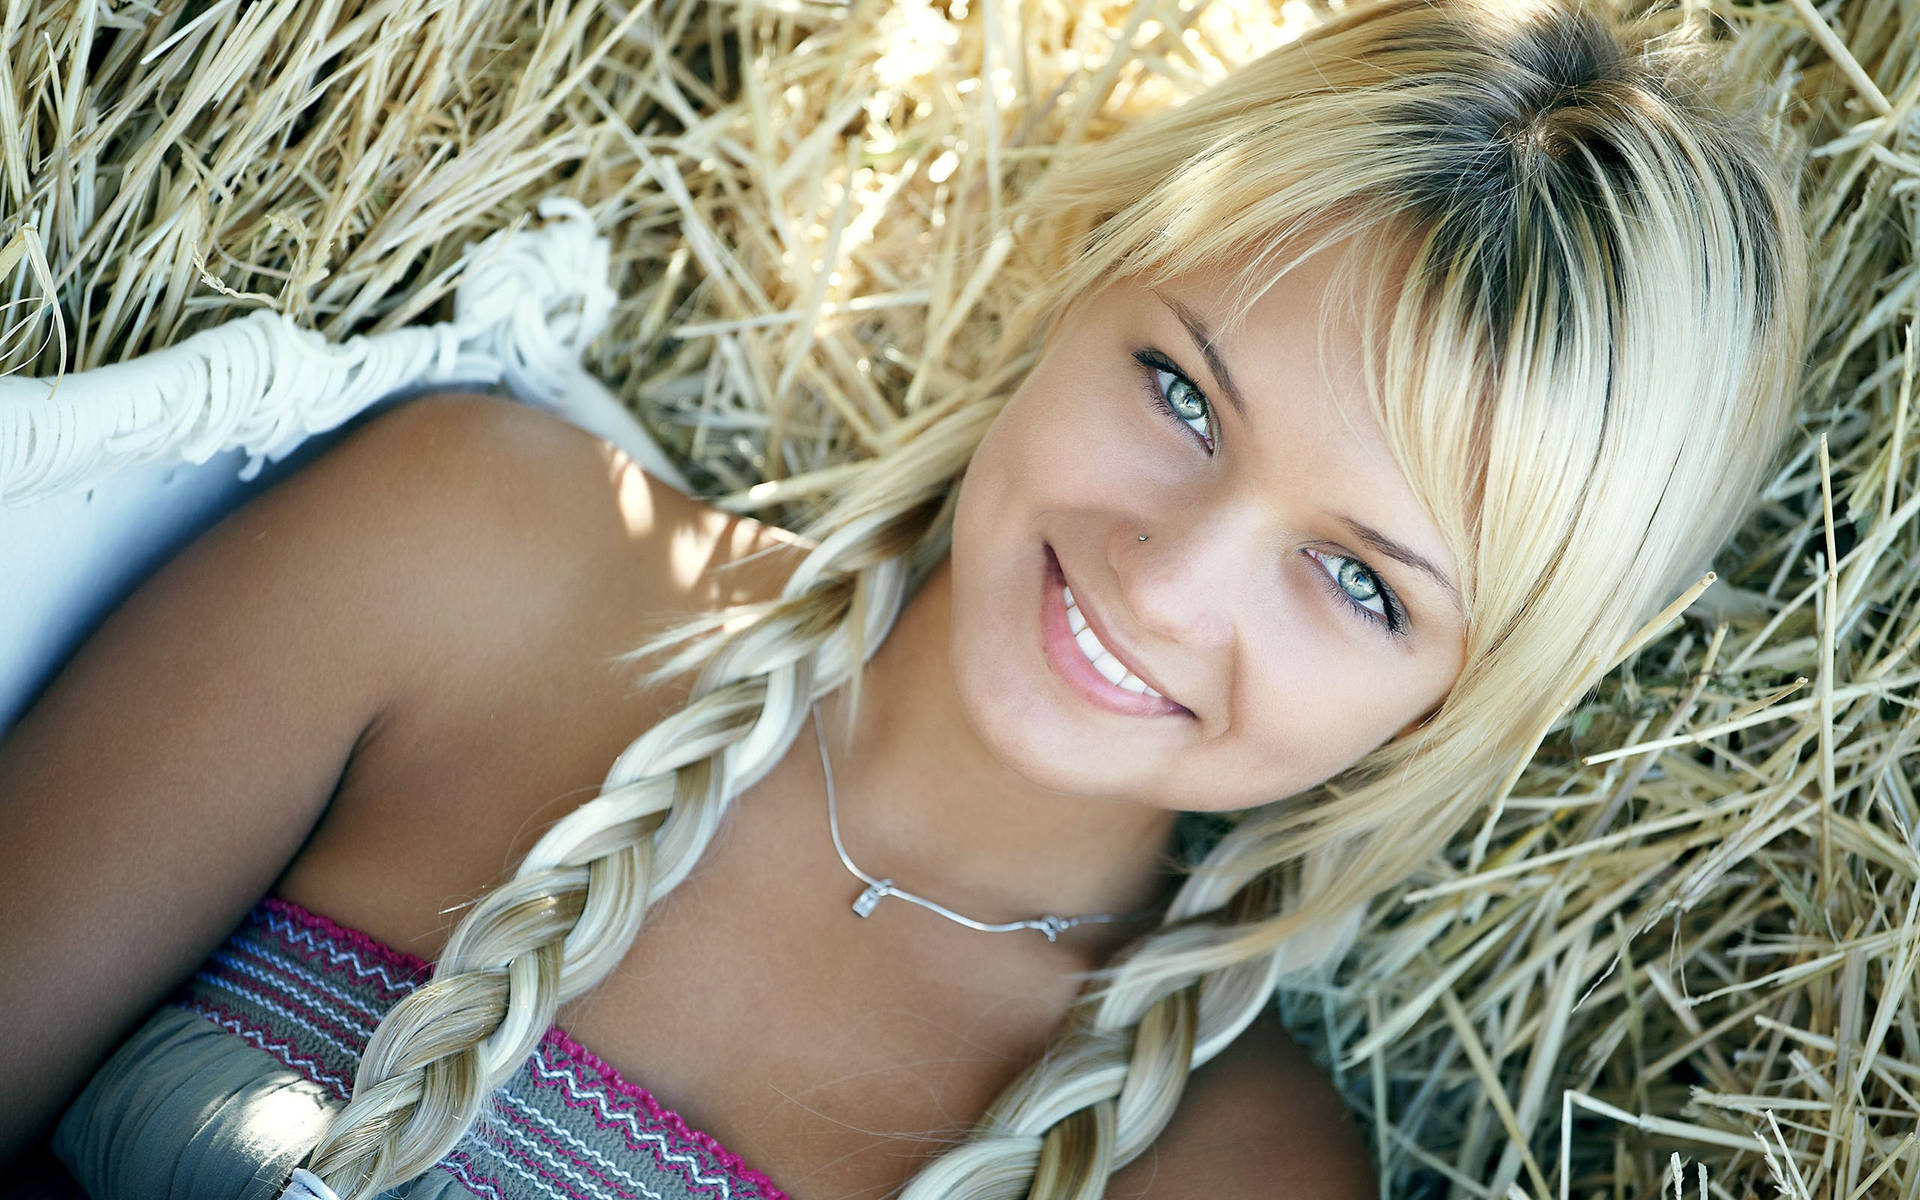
(1156, 363)
(1393, 622)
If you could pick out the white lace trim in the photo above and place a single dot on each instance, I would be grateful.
(529, 303)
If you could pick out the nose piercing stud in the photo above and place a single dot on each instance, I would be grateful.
(1143, 537)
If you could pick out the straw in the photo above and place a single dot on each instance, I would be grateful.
(1687, 934)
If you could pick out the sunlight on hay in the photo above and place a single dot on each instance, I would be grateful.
(1679, 959)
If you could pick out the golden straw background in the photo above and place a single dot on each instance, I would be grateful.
(1677, 959)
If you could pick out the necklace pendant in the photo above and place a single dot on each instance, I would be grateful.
(864, 903)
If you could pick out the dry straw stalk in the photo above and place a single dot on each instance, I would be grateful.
(1682, 955)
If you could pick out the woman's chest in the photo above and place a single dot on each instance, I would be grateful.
(832, 1053)
(825, 1059)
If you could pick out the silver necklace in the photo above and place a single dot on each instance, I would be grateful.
(878, 889)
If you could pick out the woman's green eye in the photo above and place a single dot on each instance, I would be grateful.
(1185, 403)
(1169, 390)
(1355, 583)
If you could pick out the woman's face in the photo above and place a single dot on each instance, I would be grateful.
(1293, 605)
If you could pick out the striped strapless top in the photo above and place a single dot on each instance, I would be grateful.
(224, 1090)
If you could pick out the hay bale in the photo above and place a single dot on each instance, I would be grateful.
(1684, 946)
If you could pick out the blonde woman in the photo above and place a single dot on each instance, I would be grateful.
(1355, 412)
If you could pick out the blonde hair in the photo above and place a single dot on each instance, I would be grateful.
(1594, 276)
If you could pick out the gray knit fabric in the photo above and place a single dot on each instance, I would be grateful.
(225, 1088)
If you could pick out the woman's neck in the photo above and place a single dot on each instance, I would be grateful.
(923, 801)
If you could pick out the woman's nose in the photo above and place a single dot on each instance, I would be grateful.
(1183, 583)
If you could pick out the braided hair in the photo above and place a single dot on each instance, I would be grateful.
(1593, 277)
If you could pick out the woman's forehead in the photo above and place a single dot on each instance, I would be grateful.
(1299, 338)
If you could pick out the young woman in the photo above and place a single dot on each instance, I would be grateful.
(1356, 411)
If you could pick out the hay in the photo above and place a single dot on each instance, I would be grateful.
(1679, 957)
(1691, 933)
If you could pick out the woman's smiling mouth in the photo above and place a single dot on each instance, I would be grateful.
(1104, 660)
(1077, 653)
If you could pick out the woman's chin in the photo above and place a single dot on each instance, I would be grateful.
(1035, 736)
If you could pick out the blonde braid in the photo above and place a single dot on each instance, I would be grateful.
(575, 903)
(1326, 127)
(1111, 1081)
(1095, 1102)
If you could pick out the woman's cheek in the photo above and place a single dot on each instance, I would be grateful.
(1069, 436)
(1306, 684)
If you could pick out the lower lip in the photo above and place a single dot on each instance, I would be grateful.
(1063, 654)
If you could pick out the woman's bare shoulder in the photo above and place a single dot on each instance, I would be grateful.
(564, 496)
(1259, 1120)
(558, 555)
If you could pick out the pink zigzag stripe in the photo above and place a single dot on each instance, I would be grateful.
(459, 1164)
(561, 1152)
(284, 1051)
(276, 989)
(685, 1159)
(504, 1146)
(297, 968)
(343, 938)
(315, 951)
(561, 1156)
(559, 1052)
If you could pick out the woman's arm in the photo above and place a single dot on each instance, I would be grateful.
(178, 761)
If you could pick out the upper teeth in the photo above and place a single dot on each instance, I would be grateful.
(1102, 658)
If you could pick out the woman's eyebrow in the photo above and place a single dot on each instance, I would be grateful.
(1203, 338)
(1394, 550)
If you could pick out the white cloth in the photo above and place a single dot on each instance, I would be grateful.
(305, 1185)
(530, 302)
(105, 473)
